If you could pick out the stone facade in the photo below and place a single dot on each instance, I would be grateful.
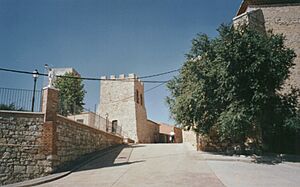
(63, 71)
(281, 18)
(87, 118)
(149, 133)
(36, 144)
(70, 139)
(21, 151)
(74, 139)
(144, 129)
(123, 100)
(190, 137)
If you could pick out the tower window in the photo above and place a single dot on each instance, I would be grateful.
(141, 99)
(137, 96)
(114, 126)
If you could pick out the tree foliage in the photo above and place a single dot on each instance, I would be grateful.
(11, 106)
(233, 83)
(71, 94)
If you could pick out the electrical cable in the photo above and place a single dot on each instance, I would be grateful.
(23, 72)
(126, 98)
(82, 78)
(159, 74)
(148, 90)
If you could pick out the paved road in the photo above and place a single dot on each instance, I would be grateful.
(145, 165)
(176, 165)
(236, 174)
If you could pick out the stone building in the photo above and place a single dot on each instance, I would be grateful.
(96, 121)
(87, 118)
(62, 71)
(122, 101)
(59, 72)
(280, 16)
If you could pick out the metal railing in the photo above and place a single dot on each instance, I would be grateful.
(20, 99)
(94, 120)
(105, 124)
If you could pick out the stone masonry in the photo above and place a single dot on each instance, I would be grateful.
(74, 139)
(151, 132)
(281, 18)
(37, 144)
(123, 100)
(21, 148)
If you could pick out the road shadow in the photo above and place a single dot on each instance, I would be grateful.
(99, 159)
(112, 159)
(272, 158)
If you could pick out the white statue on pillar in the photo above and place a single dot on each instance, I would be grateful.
(51, 78)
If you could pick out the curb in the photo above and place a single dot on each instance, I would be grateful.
(250, 159)
(40, 180)
(230, 160)
(55, 176)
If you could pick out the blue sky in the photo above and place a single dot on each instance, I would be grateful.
(104, 37)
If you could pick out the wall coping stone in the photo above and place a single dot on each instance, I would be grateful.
(21, 113)
(275, 5)
(244, 14)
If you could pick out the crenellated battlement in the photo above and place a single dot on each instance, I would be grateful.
(122, 100)
(121, 77)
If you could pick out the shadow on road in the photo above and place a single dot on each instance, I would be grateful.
(111, 159)
(99, 159)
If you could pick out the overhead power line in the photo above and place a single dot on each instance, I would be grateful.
(82, 78)
(159, 74)
(154, 87)
(126, 98)
(20, 71)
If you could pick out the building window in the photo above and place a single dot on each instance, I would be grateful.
(137, 96)
(79, 120)
(114, 126)
(142, 99)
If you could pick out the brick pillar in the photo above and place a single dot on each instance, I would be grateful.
(49, 135)
(49, 138)
(50, 103)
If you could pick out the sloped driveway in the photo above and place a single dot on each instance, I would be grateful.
(177, 165)
(144, 165)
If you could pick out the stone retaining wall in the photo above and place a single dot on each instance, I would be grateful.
(75, 139)
(32, 148)
(21, 147)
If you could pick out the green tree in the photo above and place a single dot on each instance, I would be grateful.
(71, 94)
(10, 107)
(233, 83)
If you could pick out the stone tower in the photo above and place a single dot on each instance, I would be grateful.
(122, 99)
